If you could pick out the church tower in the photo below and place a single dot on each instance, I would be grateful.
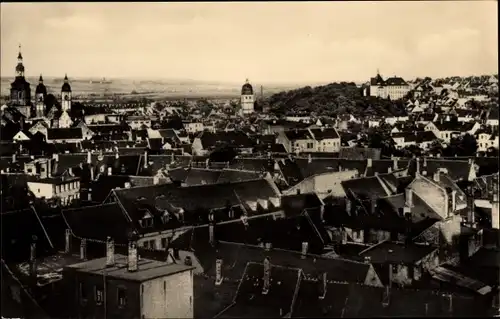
(40, 94)
(247, 99)
(20, 91)
(66, 95)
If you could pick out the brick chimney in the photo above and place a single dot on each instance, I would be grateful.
(409, 197)
(309, 158)
(110, 252)
(145, 165)
(305, 246)
(132, 256)
(268, 246)
(89, 157)
(83, 249)
(211, 237)
(323, 282)
(67, 241)
(495, 218)
(55, 157)
(436, 177)
(218, 272)
(33, 265)
(267, 276)
(417, 168)
(368, 162)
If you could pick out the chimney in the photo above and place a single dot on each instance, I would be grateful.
(33, 265)
(268, 246)
(110, 252)
(207, 163)
(218, 272)
(417, 170)
(436, 177)
(409, 197)
(132, 256)
(89, 157)
(91, 169)
(156, 180)
(127, 185)
(389, 169)
(55, 157)
(368, 162)
(117, 155)
(390, 276)
(145, 159)
(368, 259)
(453, 201)
(211, 238)
(67, 238)
(83, 249)
(309, 158)
(13, 158)
(323, 286)
(425, 162)
(495, 218)
(305, 246)
(110, 171)
(450, 303)
(267, 276)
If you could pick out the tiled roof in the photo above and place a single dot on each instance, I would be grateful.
(390, 252)
(324, 133)
(98, 222)
(64, 133)
(298, 134)
(251, 302)
(237, 139)
(357, 153)
(456, 169)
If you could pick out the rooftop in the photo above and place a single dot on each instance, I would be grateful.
(146, 269)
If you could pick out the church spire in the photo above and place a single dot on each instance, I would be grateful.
(66, 78)
(19, 55)
(40, 80)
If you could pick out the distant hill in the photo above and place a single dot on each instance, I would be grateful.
(333, 99)
(144, 87)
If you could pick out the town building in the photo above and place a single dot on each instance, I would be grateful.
(394, 88)
(118, 286)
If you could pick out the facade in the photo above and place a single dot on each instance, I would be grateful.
(394, 88)
(247, 99)
(119, 286)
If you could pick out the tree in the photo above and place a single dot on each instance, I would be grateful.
(465, 145)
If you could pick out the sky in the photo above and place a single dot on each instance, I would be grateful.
(278, 42)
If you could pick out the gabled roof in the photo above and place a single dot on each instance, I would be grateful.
(64, 133)
(250, 302)
(98, 222)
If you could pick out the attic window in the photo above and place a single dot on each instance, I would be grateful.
(147, 220)
(165, 218)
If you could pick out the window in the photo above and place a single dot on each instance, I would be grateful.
(310, 145)
(122, 297)
(164, 242)
(99, 295)
(83, 292)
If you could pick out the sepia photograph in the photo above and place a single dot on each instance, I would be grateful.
(202, 160)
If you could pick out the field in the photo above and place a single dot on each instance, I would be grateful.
(160, 89)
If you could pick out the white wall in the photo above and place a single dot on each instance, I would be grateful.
(168, 297)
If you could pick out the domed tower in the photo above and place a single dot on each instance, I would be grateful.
(20, 91)
(247, 98)
(40, 94)
(66, 95)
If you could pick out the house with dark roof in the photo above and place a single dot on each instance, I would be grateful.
(208, 141)
(64, 135)
(445, 130)
(422, 139)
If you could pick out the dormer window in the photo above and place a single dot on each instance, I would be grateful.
(147, 220)
(165, 218)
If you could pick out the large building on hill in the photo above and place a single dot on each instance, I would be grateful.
(394, 88)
